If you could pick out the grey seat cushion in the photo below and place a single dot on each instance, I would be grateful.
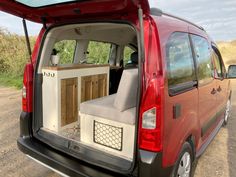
(104, 108)
(127, 91)
(119, 107)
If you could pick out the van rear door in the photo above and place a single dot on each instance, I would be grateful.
(66, 10)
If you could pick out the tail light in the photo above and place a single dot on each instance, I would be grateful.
(27, 90)
(150, 124)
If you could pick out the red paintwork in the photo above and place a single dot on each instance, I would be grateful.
(198, 105)
(65, 12)
(27, 103)
(28, 79)
(152, 88)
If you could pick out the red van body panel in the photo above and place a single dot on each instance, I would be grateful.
(198, 106)
(174, 134)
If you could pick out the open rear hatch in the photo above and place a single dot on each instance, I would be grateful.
(65, 10)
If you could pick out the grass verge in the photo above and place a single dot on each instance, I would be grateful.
(11, 81)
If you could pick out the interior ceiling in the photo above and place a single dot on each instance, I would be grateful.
(113, 33)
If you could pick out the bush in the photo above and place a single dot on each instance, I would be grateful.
(13, 57)
(13, 53)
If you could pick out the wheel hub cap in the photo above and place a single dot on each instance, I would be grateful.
(227, 111)
(184, 166)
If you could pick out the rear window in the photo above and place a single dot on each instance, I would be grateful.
(180, 62)
(98, 52)
(65, 49)
(43, 2)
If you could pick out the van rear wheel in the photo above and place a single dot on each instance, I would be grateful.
(183, 167)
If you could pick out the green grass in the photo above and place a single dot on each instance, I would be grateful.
(10, 81)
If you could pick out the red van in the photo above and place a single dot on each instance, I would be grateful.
(116, 88)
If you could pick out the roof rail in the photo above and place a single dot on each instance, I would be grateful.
(159, 12)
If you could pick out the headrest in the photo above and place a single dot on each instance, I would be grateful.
(134, 57)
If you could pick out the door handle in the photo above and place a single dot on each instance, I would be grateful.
(213, 92)
(219, 89)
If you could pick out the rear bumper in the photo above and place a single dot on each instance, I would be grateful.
(149, 164)
(58, 161)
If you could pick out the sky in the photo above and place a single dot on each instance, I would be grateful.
(218, 17)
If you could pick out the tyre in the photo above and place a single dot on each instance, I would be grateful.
(184, 164)
(227, 111)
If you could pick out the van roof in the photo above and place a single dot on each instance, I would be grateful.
(159, 12)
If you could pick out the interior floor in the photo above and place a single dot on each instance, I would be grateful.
(72, 133)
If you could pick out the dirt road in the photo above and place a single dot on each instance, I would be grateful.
(13, 163)
(219, 160)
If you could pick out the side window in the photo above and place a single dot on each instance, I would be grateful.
(218, 65)
(180, 62)
(127, 55)
(98, 52)
(203, 57)
(65, 49)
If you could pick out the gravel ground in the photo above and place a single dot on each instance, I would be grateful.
(13, 163)
(219, 160)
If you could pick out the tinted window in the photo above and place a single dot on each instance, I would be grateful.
(203, 57)
(179, 60)
(218, 66)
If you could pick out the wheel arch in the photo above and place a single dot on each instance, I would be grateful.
(192, 141)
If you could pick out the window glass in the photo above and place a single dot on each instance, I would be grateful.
(65, 49)
(218, 66)
(98, 52)
(42, 2)
(127, 55)
(203, 57)
(179, 60)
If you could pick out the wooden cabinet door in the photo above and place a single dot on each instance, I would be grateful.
(94, 86)
(86, 88)
(69, 101)
(102, 85)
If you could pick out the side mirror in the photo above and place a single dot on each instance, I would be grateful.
(231, 72)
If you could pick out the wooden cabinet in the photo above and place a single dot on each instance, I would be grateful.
(94, 86)
(65, 87)
(69, 101)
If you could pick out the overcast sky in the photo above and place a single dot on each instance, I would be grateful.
(218, 17)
